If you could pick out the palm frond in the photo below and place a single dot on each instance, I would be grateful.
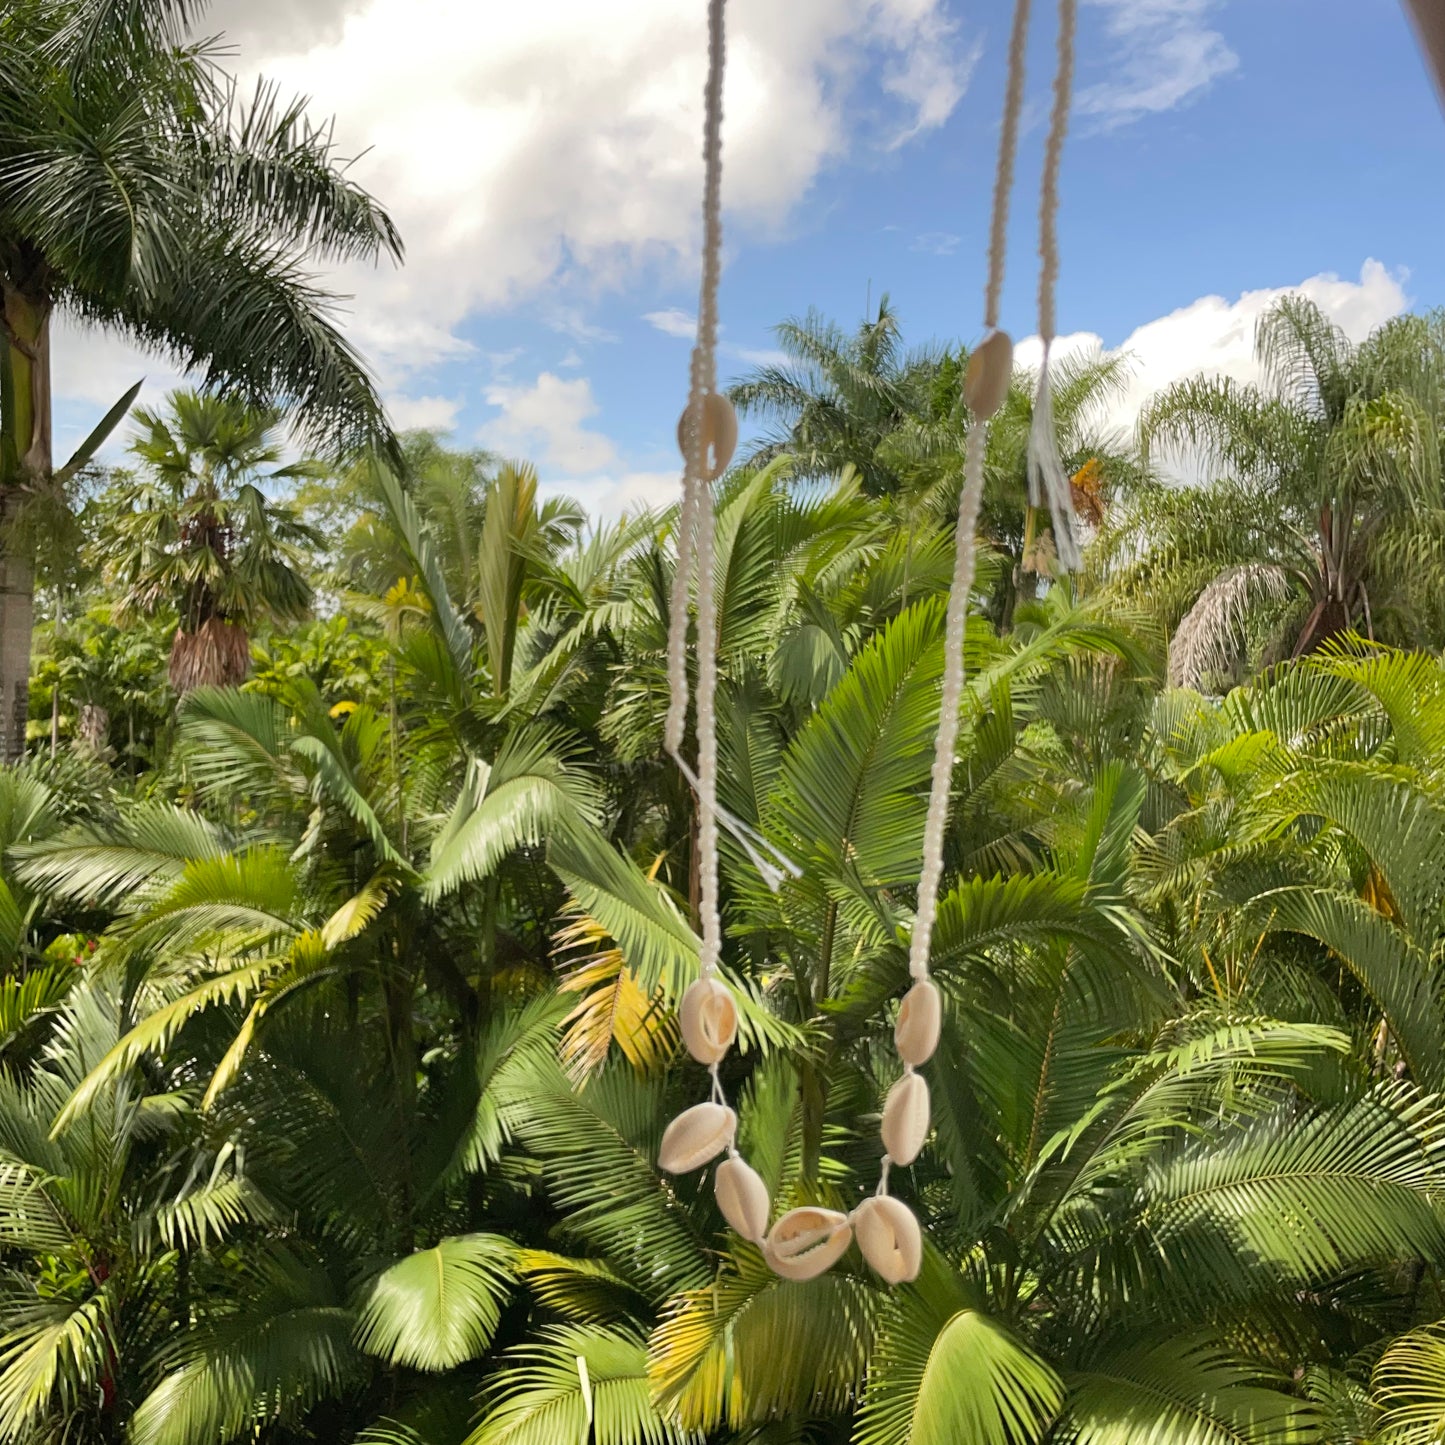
(440, 1306)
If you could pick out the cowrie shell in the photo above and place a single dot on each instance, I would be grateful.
(807, 1241)
(988, 374)
(709, 1019)
(743, 1198)
(920, 1019)
(719, 434)
(695, 1136)
(905, 1118)
(889, 1238)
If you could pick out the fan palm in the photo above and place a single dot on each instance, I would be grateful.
(139, 193)
(200, 534)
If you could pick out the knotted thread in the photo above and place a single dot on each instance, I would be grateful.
(968, 506)
(1047, 477)
(695, 521)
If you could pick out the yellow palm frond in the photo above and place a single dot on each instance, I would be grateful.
(614, 1008)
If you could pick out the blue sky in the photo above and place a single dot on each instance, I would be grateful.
(542, 162)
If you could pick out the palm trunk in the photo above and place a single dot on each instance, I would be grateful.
(25, 459)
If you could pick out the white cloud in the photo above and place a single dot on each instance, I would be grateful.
(1165, 53)
(429, 413)
(673, 322)
(930, 76)
(92, 371)
(937, 243)
(1214, 336)
(544, 423)
(554, 146)
(611, 495)
(758, 355)
(98, 368)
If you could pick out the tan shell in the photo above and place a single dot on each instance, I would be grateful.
(920, 1019)
(905, 1118)
(990, 370)
(743, 1198)
(695, 1136)
(709, 1019)
(889, 1238)
(719, 434)
(807, 1241)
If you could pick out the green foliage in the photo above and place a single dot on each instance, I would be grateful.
(338, 1015)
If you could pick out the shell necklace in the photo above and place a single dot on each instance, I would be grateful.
(806, 1241)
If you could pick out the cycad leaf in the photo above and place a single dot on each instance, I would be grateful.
(1308, 1196)
(1390, 968)
(851, 795)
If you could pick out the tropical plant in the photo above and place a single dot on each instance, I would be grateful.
(899, 421)
(336, 1046)
(1328, 512)
(138, 191)
(838, 397)
(201, 536)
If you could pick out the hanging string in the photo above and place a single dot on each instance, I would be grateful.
(708, 1013)
(1003, 178)
(1047, 476)
(702, 375)
(695, 545)
(968, 507)
(704, 384)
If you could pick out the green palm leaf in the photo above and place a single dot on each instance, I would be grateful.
(440, 1306)
(945, 1372)
(1188, 1391)
(525, 797)
(55, 1357)
(1409, 1386)
(577, 1382)
(245, 1371)
(748, 1347)
(1312, 1195)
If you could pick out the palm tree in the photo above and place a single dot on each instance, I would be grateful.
(200, 536)
(898, 421)
(412, 955)
(928, 450)
(1116, 1175)
(150, 1295)
(1329, 513)
(138, 193)
(839, 396)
